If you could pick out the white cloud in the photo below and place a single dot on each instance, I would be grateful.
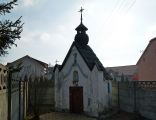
(45, 37)
(29, 2)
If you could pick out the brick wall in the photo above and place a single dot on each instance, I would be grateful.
(146, 64)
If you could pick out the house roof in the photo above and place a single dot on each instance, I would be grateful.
(27, 56)
(89, 57)
(151, 41)
(126, 70)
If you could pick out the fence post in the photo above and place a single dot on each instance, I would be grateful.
(9, 94)
(135, 96)
(26, 96)
(19, 99)
(35, 97)
(23, 99)
(118, 94)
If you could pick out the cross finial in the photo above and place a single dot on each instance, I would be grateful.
(56, 61)
(81, 10)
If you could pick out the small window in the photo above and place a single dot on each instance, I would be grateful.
(75, 78)
(89, 101)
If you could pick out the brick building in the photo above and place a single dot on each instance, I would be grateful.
(147, 62)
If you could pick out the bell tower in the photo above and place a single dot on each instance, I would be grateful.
(81, 37)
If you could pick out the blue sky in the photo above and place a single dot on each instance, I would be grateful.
(119, 30)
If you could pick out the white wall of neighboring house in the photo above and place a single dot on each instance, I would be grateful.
(30, 68)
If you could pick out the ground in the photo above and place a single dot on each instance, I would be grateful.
(121, 115)
(69, 116)
(64, 116)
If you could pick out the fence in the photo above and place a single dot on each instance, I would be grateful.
(41, 95)
(18, 97)
(135, 96)
(16, 100)
(11, 97)
(3, 93)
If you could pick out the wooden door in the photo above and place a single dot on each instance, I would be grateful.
(76, 99)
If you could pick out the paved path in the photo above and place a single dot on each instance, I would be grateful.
(64, 116)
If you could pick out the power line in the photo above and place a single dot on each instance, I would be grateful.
(121, 7)
(113, 12)
(130, 6)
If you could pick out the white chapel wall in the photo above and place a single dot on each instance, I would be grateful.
(95, 87)
(67, 78)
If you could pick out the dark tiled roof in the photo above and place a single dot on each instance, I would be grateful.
(125, 70)
(89, 57)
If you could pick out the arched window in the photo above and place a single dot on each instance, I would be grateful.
(75, 78)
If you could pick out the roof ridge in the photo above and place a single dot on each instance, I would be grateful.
(40, 62)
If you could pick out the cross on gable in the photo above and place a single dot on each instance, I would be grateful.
(56, 61)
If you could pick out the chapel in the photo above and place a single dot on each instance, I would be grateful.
(82, 85)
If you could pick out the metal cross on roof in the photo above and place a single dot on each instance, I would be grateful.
(56, 61)
(81, 10)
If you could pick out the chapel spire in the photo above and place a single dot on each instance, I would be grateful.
(81, 37)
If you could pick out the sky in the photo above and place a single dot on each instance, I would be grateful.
(118, 30)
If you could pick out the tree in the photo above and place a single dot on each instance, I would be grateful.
(9, 30)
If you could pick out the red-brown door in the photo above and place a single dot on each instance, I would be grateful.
(76, 99)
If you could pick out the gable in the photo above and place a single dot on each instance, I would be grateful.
(30, 67)
(43, 64)
(73, 60)
(88, 56)
(150, 46)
